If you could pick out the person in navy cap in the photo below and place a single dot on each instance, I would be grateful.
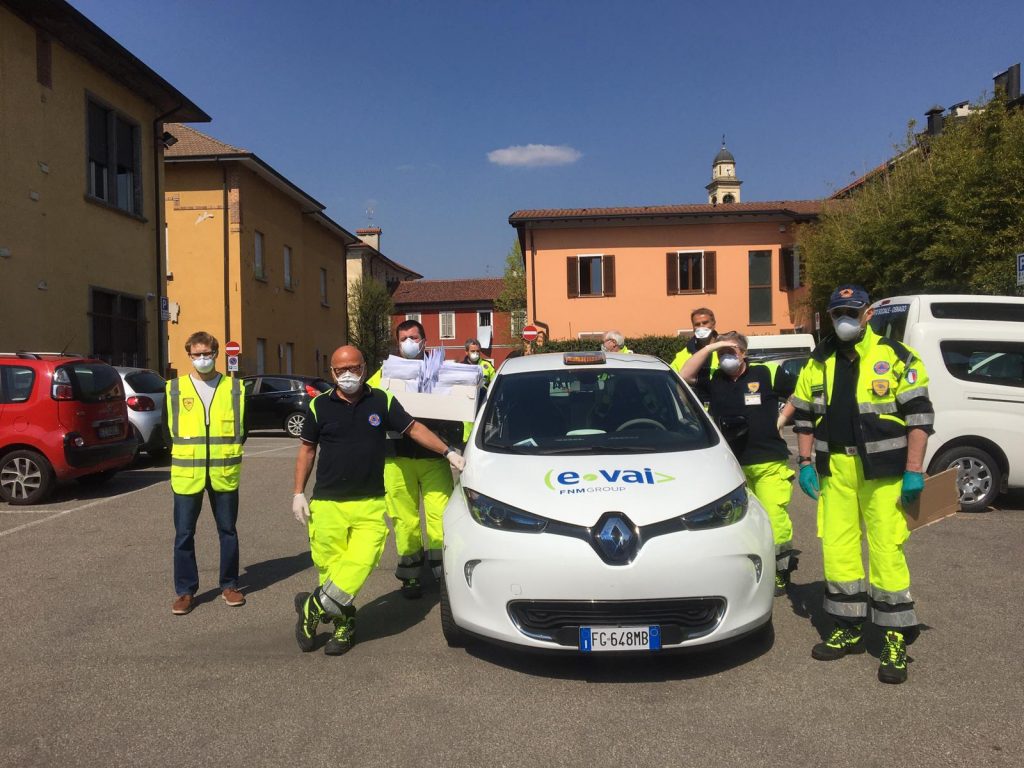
(862, 405)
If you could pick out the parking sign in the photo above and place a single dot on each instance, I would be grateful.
(1020, 269)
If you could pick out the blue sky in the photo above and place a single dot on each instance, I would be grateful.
(404, 106)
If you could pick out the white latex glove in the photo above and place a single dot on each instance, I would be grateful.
(300, 508)
(456, 460)
(780, 424)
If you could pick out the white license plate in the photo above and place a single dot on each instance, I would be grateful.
(620, 639)
(112, 430)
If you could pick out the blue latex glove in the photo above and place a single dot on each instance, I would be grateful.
(913, 484)
(809, 480)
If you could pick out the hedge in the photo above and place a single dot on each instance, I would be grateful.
(665, 347)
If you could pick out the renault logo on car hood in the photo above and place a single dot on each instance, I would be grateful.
(615, 538)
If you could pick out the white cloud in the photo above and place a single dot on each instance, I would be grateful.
(534, 155)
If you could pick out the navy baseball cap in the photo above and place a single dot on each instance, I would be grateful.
(848, 296)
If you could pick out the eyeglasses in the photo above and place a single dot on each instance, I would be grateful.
(356, 369)
(842, 312)
(201, 353)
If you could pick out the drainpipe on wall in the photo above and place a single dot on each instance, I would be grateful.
(227, 257)
(533, 288)
(158, 210)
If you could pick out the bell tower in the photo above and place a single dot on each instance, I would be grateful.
(724, 187)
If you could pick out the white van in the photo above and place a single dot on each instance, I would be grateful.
(973, 347)
(779, 346)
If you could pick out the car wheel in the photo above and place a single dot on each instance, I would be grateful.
(26, 477)
(978, 476)
(98, 478)
(293, 424)
(454, 636)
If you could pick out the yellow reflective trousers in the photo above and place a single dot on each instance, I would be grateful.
(346, 540)
(405, 480)
(772, 483)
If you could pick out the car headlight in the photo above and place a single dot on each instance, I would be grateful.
(725, 511)
(491, 513)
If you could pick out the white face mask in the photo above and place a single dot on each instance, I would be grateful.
(847, 328)
(410, 348)
(474, 356)
(349, 382)
(702, 333)
(730, 364)
(203, 364)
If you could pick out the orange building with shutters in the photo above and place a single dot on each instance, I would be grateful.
(642, 270)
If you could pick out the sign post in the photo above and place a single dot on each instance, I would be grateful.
(530, 333)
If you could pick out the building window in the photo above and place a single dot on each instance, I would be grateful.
(590, 275)
(289, 356)
(518, 323)
(118, 328)
(323, 286)
(447, 325)
(691, 272)
(760, 274)
(414, 316)
(113, 151)
(259, 267)
(288, 282)
(483, 319)
(484, 331)
(261, 356)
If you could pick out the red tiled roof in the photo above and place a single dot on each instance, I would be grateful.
(192, 143)
(792, 207)
(448, 291)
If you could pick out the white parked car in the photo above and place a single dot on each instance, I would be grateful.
(973, 348)
(601, 510)
(144, 393)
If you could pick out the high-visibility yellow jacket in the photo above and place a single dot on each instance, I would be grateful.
(687, 352)
(892, 397)
(199, 450)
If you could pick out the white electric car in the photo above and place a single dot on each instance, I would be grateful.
(601, 510)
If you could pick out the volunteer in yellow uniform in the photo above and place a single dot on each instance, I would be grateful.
(862, 403)
(205, 417)
(414, 472)
(345, 518)
(613, 341)
(744, 402)
(474, 357)
(704, 333)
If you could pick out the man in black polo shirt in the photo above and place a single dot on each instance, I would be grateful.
(745, 404)
(346, 515)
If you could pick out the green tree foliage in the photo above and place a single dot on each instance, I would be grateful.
(369, 322)
(947, 217)
(513, 293)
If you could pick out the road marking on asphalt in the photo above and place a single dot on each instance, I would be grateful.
(270, 450)
(64, 512)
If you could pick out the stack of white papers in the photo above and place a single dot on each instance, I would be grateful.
(460, 373)
(399, 368)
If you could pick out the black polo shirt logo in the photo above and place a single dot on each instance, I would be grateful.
(374, 419)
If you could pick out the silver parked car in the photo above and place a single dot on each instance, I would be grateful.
(144, 394)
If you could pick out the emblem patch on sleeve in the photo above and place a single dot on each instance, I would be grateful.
(911, 376)
(880, 387)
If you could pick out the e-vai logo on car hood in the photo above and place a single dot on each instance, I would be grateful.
(602, 480)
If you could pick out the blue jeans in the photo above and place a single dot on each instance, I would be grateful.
(186, 513)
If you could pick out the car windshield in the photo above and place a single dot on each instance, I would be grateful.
(145, 382)
(95, 382)
(582, 411)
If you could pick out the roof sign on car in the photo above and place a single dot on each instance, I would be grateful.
(583, 358)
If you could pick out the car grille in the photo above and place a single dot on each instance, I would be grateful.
(559, 620)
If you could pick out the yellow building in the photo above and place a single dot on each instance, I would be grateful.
(250, 258)
(366, 260)
(81, 228)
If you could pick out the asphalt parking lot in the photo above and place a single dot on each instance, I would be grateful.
(98, 672)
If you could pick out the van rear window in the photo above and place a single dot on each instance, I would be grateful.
(987, 362)
(146, 382)
(962, 310)
(95, 382)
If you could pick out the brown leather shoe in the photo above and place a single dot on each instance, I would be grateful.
(233, 597)
(183, 604)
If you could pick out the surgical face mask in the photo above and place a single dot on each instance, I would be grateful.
(410, 348)
(729, 363)
(702, 333)
(349, 382)
(203, 364)
(474, 356)
(847, 328)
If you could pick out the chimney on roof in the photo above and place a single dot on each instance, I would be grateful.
(1008, 82)
(370, 236)
(935, 120)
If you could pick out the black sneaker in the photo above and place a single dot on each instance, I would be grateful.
(781, 582)
(412, 589)
(842, 641)
(311, 613)
(344, 635)
(892, 666)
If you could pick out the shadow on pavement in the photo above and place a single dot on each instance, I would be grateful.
(391, 614)
(124, 481)
(631, 668)
(259, 576)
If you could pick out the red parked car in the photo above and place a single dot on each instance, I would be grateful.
(62, 418)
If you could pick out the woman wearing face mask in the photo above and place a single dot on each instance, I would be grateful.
(742, 397)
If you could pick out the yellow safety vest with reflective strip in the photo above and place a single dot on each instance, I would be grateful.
(198, 450)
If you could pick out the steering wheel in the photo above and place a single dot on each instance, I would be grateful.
(635, 422)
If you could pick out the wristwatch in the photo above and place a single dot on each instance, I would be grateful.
(801, 460)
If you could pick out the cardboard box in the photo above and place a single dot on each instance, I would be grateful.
(939, 499)
(459, 404)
